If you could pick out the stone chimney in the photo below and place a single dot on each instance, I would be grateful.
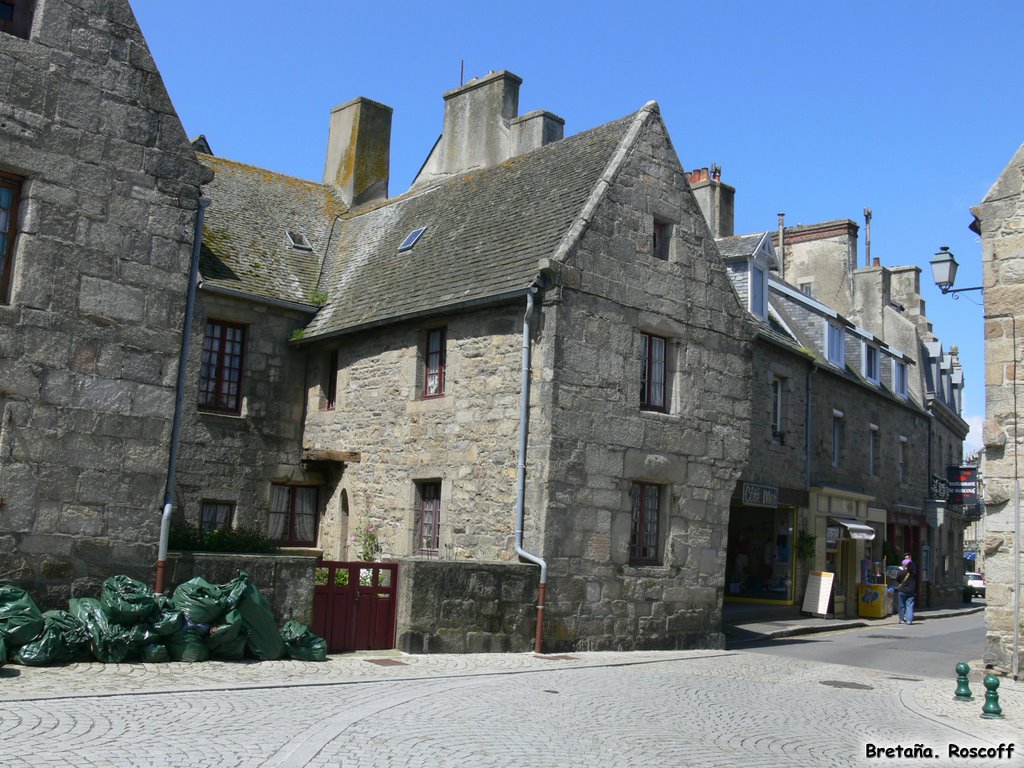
(716, 200)
(359, 151)
(482, 128)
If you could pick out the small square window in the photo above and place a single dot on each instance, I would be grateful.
(294, 516)
(298, 241)
(217, 516)
(16, 17)
(807, 289)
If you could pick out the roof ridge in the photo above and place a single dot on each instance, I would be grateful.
(604, 182)
(217, 159)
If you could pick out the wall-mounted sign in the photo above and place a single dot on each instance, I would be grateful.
(938, 488)
(963, 485)
(755, 495)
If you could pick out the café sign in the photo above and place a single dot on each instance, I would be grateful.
(755, 495)
(963, 485)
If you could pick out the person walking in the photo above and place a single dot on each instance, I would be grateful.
(906, 590)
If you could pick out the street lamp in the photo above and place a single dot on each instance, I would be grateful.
(944, 271)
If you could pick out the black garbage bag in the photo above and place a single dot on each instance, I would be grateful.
(301, 644)
(108, 642)
(64, 639)
(200, 601)
(126, 601)
(20, 619)
(187, 644)
(263, 637)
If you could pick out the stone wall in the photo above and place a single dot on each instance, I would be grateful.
(235, 458)
(90, 335)
(285, 581)
(1001, 224)
(600, 441)
(449, 606)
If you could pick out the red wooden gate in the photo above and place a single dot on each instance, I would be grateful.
(355, 604)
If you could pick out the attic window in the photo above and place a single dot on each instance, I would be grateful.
(410, 241)
(298, 240)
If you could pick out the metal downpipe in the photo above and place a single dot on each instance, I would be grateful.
(179, 397)
(524, 421)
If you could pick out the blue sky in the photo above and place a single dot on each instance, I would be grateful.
(816, 109)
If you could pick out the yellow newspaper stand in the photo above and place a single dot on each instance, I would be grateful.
(872, 601)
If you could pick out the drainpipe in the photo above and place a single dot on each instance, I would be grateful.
(524, 421)
(179, 397)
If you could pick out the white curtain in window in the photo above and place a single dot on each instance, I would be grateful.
(305, 514)
(280, 503)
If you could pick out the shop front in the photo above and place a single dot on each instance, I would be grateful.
(760, 556)
(848, 545)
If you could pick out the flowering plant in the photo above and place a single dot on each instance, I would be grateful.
(367, 540)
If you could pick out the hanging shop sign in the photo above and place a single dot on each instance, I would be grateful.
(963, 485)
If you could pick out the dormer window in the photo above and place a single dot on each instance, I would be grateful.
(871, 367)
(899, 378)
(836, 345)
(298, 241)
(758, 292)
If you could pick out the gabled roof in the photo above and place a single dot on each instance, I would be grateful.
(245, 242)
(747, 247)
(486, 234)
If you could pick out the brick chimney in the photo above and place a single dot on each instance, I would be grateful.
(482, 128)
(716, 200)
(359, 151)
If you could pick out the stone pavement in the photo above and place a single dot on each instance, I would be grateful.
(682, 708)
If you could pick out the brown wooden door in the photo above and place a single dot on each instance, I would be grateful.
(354, 605)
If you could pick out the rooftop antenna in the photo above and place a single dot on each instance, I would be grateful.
(867, 237)
(462, 72)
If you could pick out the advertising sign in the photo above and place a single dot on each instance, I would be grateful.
(963, 485)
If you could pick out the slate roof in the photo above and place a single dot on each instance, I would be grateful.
(738, 246)
(245, 246)
(486, 233)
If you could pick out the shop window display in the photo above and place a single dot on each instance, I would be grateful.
(760, 554)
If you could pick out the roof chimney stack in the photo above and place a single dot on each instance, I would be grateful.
(359, 151)
(716, 200)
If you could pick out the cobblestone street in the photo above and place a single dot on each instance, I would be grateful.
(708, 708)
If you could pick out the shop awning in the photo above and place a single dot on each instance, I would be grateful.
(856, 529)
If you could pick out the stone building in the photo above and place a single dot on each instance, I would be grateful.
(98, 203)
(855, 409)
(998, 219)
(403, 319)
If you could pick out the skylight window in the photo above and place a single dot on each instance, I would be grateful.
(410, 241)
(298, 240)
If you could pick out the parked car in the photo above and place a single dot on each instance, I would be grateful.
(974, 585)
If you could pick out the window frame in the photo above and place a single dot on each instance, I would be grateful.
(874, 450)
(226, 524)
(640, 494)
(290, 539)
(901, 459)
(218, 396)
(759, 291)
(649, 362)
(661, 239)
(836, 353)
(900, 378)
(872, 373)
(331, 389)
(435, 362)
(20, 24)
(837, 438)
(428, 499)
(776, 418)
(13, 183)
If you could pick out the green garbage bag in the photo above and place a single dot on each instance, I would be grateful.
(301, 644)
(154, 653)
(227, 639)
(200, 601)
(109, 642)
(263, 637)
(166, 619)
(3, 652)
(63, 639)
(20, 619)
(187, 644)
(126, 601)
(231, 650)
